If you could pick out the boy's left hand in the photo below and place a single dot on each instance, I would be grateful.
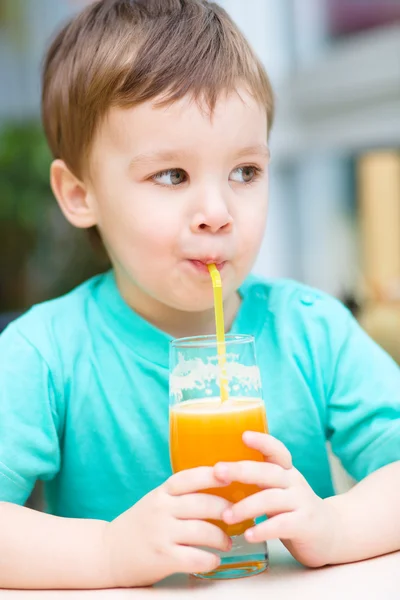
(303, 521)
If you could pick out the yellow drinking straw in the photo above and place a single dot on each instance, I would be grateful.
(220, 330)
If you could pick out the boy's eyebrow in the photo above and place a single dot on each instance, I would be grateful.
(171, 155)
(258, 149)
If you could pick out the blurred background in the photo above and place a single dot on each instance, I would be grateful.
(335, 173)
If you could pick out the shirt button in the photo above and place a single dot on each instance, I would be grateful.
(307, 300)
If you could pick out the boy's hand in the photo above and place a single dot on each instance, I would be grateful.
(303, 521)
(159, 534)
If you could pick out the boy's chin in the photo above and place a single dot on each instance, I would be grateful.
(195, 305)
(198, 303)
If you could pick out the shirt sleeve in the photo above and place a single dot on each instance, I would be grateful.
(364, 401)
(29, 445)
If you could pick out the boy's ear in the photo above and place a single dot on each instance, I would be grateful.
(72, 196)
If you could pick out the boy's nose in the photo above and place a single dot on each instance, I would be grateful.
(213, 217)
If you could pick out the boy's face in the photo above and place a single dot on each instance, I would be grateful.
(173, 190)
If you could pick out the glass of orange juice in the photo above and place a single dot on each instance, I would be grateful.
(205, 430)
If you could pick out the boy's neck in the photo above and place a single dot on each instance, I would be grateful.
(179, 323)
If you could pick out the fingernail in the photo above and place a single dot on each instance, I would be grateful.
(227, 515)
(247, 436)
(217, 563)
(229, 544)
(221, 470)
(249, 534)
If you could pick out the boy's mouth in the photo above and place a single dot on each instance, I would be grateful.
(201, 265)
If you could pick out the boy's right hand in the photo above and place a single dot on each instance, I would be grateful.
(159, 534)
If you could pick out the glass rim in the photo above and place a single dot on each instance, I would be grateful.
(209, 341)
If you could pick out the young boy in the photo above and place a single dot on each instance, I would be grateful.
(158, 113)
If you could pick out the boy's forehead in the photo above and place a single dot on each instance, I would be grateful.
(237, 117)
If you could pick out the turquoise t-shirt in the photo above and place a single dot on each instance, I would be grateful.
(84, 394)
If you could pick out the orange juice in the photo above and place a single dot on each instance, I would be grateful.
(204, 432)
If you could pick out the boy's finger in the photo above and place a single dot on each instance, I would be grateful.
(194, 560)
(200, 506)
(201, 533)
(192, 480)
(273, 450)
(267, 502)
(280, 527)
(263, 474)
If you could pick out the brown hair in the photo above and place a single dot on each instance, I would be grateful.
(124, 52)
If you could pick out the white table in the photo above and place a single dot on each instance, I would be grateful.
(375, 579)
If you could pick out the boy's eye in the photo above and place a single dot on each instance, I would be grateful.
(171, 177)
(245, 174)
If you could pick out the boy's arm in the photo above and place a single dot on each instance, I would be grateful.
(363, 403)
(367, 517)
(362, 523)
(40, 551)
(31, 414)
(160, 535)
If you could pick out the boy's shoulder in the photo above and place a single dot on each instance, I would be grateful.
(293, 293)
(62, 319)
(294, 304)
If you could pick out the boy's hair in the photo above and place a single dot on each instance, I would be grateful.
(124, 52)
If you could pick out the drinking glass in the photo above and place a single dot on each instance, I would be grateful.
(205, 430)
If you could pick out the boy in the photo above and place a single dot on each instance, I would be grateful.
(157, 114)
